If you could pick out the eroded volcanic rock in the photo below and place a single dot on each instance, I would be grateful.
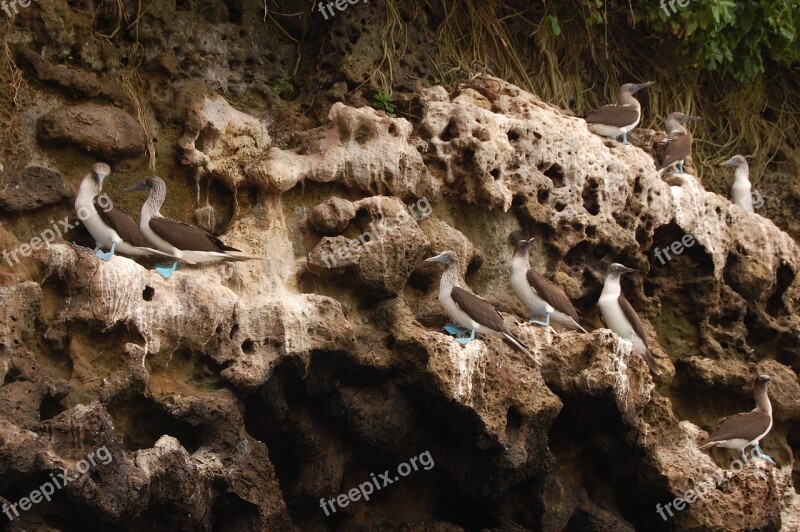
(238, 396)
(102, 130)
(31, 188)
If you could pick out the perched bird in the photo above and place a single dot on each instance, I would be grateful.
(742, 430)
(617, 120)
(742, 190)
(678, 144)
(177, 238)
(473, 313)
(619, 316)
(111, 227)
(542, 297)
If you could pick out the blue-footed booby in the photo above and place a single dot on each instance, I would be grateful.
(473, 313)
(110, 226)
(617, 120)
(177, 238)
(742, 190)
(678, 144)
(619, 316)
(541, 296)
(742, 430)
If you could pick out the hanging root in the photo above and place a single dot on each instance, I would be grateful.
(11, 86)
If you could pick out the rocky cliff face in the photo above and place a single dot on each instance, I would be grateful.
(236, 397)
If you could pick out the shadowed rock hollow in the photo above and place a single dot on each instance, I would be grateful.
(235, 397)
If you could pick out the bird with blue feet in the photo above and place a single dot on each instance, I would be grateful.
(472, 314)
(540, 295)
(111, 227)
(617, 120)
(184, 241)
(748, 428)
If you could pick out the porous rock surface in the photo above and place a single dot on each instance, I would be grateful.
(237, 396)
(31, 188)
(102, 130)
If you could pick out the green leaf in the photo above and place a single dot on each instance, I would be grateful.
(786, 32)
(555, 29)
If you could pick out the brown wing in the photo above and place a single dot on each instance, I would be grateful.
(479, 309)
(748, 426)
(636, 323)
(552, 294)
(121, 222)
(677, 149)
(613, 115)
(187, 237)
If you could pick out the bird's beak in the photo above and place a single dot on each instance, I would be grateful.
(437, 258)
(692, 118)
(625, 269)
(729, 162)
(138, 186)
(636, 87)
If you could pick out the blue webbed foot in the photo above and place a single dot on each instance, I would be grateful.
(760, 454)
(166, 271)
(464, 341)
(680, 167)
(545, 323)
(625, 138)
(105, 256)
(455, 331)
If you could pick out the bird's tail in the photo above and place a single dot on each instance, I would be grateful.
(510, 339)
(155, 255)
(574, 325)
(241, 258)
(705, 444)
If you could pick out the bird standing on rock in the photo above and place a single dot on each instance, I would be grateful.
(619, 316)
(177, 238)
(748, 428)
(111, 227)
(471, 312)
(742, 190)
(541, 296)
(617, 120)
(678, 144)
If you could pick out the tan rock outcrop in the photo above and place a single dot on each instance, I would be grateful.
(247, 392)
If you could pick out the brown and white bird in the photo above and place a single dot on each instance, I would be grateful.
(470, 312)
(541, 296)
(748, 428)
(741, 190)
(111, 227)
(185, 241)
(615, 120)
(678, 144)
(619, 316)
